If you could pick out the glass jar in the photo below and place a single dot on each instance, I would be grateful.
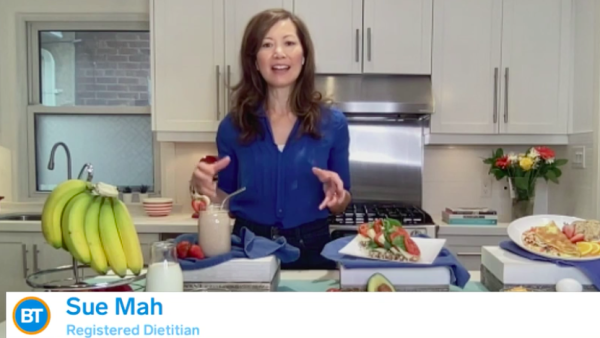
(214, 230)
(164, 272)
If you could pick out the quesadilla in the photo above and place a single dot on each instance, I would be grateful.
(549, 239)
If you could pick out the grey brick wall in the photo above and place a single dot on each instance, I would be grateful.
(112, 68)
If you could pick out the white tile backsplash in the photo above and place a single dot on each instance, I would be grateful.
(452, 177)
(187, 156)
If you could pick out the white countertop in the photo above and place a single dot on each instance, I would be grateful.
(182, 222)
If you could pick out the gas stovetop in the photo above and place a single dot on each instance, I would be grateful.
(358, 213)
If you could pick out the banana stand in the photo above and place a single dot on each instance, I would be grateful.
(78, 277)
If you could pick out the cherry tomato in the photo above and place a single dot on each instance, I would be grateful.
(333, 290)
(398, 232)
(411, 246)
(378, 226)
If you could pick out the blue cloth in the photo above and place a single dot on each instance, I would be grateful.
(459, 276)
(590, 268)
(248, 245)
(281, 189)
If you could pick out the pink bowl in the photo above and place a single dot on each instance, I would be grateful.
(154, 207)
(157, 200)
(158, 214)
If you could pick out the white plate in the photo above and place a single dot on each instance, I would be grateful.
(430, 249)
(519, 226)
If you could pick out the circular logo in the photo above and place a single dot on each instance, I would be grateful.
(31, 315)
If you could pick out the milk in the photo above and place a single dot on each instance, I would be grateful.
(164, 277)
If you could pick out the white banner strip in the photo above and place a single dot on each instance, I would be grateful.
(299, 315)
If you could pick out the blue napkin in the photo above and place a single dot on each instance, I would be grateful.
(590, 268)
(459, 276)
(248, 245)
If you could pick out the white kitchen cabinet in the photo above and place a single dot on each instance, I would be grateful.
(237, 15)
(501, 66)
(195, 55)
(15, 264)
(369, 36)
(536, 54)
(46, 256)
(336, 31)
(187, 65)
(398, 36)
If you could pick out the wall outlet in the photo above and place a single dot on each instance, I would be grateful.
(486, 187)
(578, 160)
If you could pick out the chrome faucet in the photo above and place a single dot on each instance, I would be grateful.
(90, 172)
(51, 162)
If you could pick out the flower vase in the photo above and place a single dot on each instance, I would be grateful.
(521, 208)
(522, 199)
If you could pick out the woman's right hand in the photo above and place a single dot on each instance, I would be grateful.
(204, 174)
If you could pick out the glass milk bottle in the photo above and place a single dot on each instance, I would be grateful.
(164, 273)
(214, 230)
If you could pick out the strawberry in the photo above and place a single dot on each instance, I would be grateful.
(196, 252)
(577, 238)
(183, 248)
(198, 205)
(569, 230)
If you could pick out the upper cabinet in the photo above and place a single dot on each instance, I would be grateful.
(237, 15)
(195, 55)
(187, 54)
(369, 36)
(501, 66)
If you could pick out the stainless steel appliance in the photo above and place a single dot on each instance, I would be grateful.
(388, 115)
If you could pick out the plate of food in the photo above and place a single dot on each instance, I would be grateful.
(555, 236)
(386, 239)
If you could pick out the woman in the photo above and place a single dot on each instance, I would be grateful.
(282, 142)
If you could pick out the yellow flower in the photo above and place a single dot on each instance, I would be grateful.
(526, 163)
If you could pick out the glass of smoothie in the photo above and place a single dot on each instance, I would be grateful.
(214, 230)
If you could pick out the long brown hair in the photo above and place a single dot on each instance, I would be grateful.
(251, 92)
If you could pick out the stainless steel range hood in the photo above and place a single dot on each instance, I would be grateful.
(379, 94)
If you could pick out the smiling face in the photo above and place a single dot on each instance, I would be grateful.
(280, 56)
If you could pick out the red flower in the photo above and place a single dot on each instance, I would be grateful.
(502, 162)
(545, 152)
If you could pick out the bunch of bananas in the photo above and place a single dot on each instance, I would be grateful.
(92, 224)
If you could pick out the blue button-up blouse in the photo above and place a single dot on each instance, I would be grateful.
(281, 189)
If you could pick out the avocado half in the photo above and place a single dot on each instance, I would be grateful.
(378, 283)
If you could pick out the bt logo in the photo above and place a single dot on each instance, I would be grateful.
(31, 315)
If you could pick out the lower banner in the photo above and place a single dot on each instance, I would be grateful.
(297, 315)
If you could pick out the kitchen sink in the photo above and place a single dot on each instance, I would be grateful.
(21, 217)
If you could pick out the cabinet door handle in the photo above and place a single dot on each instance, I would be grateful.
(24, 253)
(506, 95)
(357, 56)
(469, 254)
(218, 93)
(35, 258)
(369, 44)
(495, 95)
(227, 101)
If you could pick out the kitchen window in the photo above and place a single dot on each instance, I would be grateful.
(89, 87)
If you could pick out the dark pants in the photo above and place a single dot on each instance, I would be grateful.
(310, 238)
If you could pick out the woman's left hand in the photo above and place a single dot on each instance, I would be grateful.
(333, 186)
